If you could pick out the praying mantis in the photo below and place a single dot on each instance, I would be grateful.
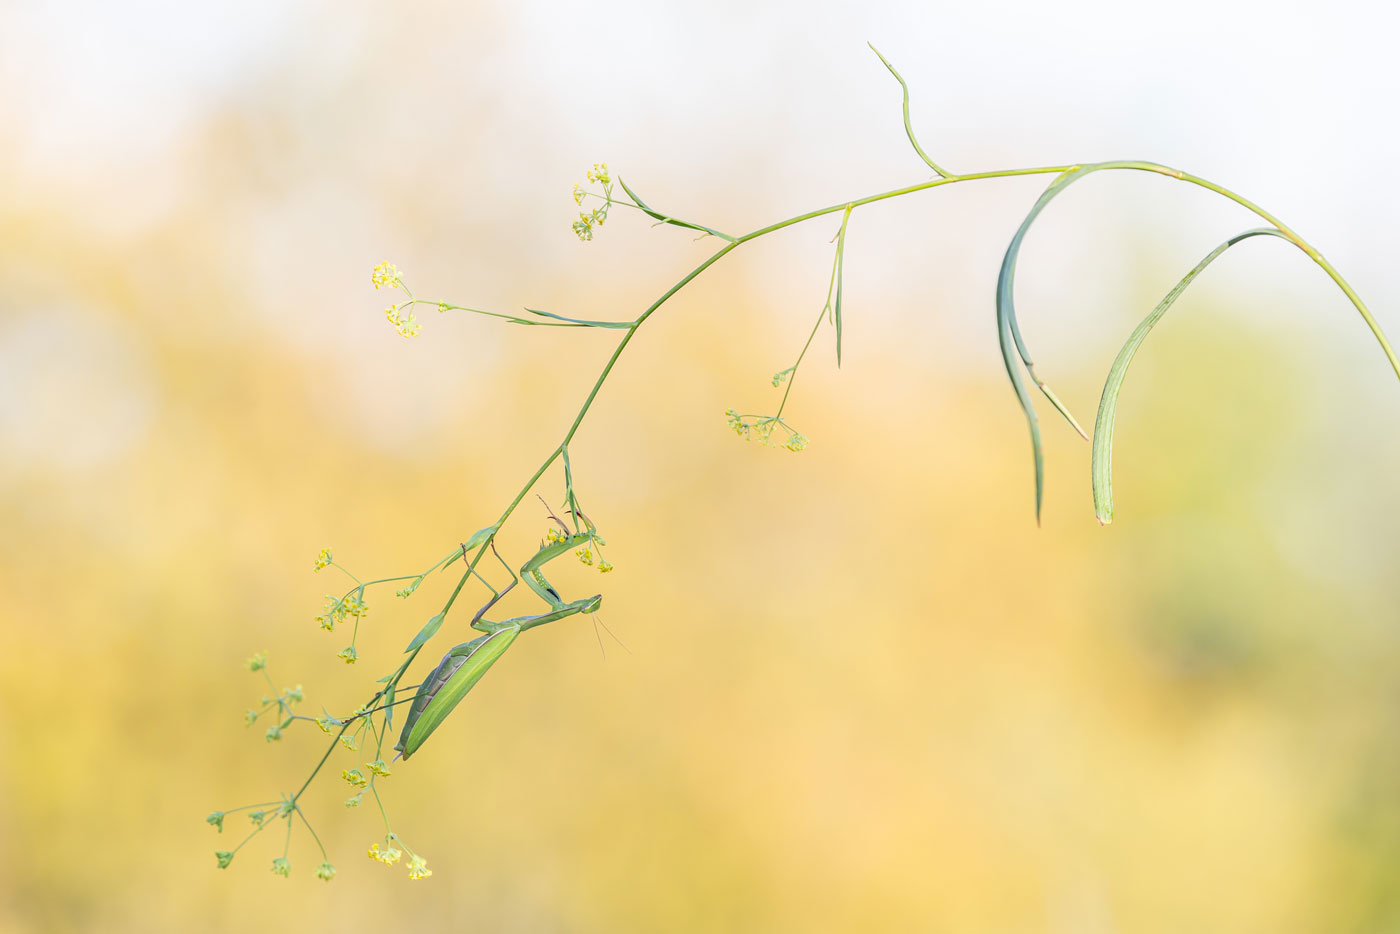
(463, 666)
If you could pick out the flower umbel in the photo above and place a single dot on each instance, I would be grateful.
(388, 856)
(418, 868)
(765, 429)
(387, 276)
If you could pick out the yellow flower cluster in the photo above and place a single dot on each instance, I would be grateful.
(418, 868)
(599, 173)
(583, 227)
(337, 609)
(325, 723)
(354, 777)
(578, 195)
(349, 654)
(257, 663)
(388, 856)
(323, 559)
(403, 320)
(325, 871)
(765, 430)
(387, 276)
(378, 768)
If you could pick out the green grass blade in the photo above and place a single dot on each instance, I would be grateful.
(840, 279)
(456, 674)
(667, 219)
(429, 630)
(1102, 462)
(573, 322)
(1009, 331)
(479, 538)
(909, 127)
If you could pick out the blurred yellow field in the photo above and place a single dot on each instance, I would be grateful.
(861, 690)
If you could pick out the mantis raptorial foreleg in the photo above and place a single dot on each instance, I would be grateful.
(463, 666)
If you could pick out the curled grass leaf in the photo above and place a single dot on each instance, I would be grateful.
(1102, 461)
(1009, 332)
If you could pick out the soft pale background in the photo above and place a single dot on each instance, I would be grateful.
(864, 691)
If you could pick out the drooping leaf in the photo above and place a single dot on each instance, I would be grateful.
(1102, 462)
(576, 322)
(1009, 331)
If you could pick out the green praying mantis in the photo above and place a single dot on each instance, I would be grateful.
(463, 666)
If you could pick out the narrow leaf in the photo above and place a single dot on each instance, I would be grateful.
(840, 274)
(666, 219)
(1102, 465)
(575, 322)
(429, 630)
(478, 539)
(1009, 331)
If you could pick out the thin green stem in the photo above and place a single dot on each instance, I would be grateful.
(846, 206)
(310, 830)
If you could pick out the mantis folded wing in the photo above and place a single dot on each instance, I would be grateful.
(463, 666)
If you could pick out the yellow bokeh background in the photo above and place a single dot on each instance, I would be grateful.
(861, 689)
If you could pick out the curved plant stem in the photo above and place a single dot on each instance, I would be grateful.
(734, 243)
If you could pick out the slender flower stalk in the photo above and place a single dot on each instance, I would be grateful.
(574, 532)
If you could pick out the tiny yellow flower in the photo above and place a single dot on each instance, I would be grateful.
(349, 654)
(348, 742)
(387, 275)
(585, 556)
(583, 227)
(604, 567)
(578, 195)
(378, 767)
(325, 723)
(281, 867)
(354, 777)
(250, 717)
(388, 856)
(325, 871)
(257, 663)
(353, 801)
(418, 868)
(599, 173)
(323, 559)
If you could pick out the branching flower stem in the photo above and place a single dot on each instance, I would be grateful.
(847, 207)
